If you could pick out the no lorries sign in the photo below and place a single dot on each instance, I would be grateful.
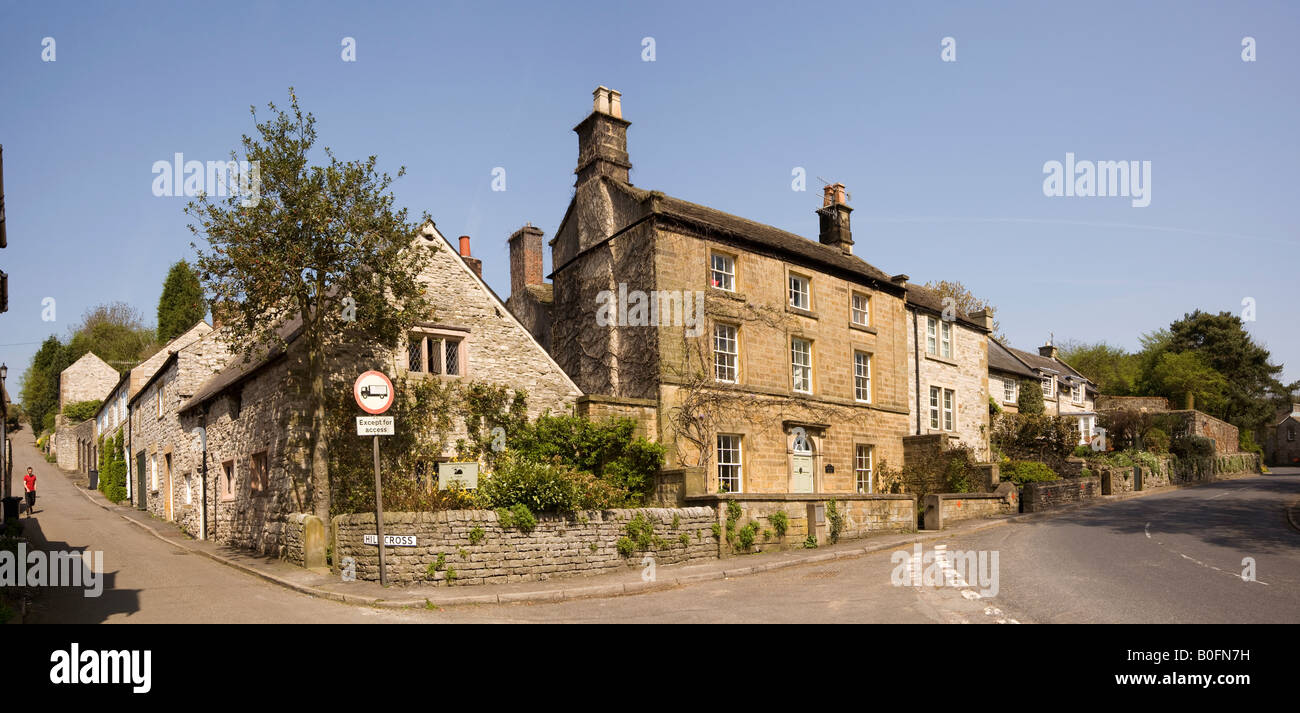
(374, 392)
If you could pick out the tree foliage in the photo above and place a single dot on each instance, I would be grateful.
(322, 243)
(181, 305)
(1029, 400)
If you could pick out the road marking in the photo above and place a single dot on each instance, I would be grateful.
(1161, 545)
(1147, 530)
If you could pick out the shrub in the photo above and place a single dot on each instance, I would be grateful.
(81, 410)
(1156, 441)
(1030, 400)
(746, 535)
(1192, 446)
(476, 535)
(836, 520)
(608, 450)
(517, 515)
(1025, 471)
(780, 521)
(810, 542)
(545, 487)
(1034, 437)
(1246, 443)
(1083, 451)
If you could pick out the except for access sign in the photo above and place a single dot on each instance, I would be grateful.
(374, 425)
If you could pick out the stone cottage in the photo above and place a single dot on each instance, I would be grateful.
(165, 452)
(1006, 373)
(87, 379)
(947, 373)
(1066, 392)
(114, 413)
(766, 362)
(1281, 444)
(247, 411)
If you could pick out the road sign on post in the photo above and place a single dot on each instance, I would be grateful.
(374, 394)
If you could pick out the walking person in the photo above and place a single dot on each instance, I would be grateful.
(29, 484)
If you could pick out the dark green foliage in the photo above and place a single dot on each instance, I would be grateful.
(745, 536)
(836, 520)
(1156, 441)
(1034, 437)
(518, 516)
(1021, 472)
(81, 410)
(780, 522)
(181, 305)
(545, 487)
(1112, 369)
(1030, 399)
(485, 408)
(40, 383)
(1192, 446)
(112, 467)
(609, 450)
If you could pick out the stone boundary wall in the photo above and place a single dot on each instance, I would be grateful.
(1173, 471)
(1036, 497)
(946, 508)
(580, 544)
(1138, 403)
(864, 514)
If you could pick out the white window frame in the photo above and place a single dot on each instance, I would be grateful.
(949, 410)
(861, 376)
(734, 444)
(945, 339)
(862, 469)
(936, 396)
(158, 398)
(798, 369)
(1010, 390)
(724, 359)
(153, 460)
(722, 271)
(1076, 394)
(864, 311)
(189, 488)
(1049, 386)
(799, 287)
(931, 336)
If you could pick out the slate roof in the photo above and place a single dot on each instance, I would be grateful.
(932, 301)
(1002, 359)
(813, 252)
(238, 370)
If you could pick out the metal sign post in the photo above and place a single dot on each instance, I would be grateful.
(374, 394)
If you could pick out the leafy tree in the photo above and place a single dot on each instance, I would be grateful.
(1184, 378)
(181, 305)
(1030, 399)
(966, 302)
(1252, 390)
(116, 333)
(322, 243)
(40, 383)
(1114, 370)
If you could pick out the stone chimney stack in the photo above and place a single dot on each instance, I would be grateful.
(834, 219)
(983, 317)
(602, 139)
(1048, 350)
(525, 258)
(474, 263)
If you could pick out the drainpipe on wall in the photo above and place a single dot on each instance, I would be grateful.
(916, 356)
(202, 433)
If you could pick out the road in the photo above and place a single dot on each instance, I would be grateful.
(1168, 557)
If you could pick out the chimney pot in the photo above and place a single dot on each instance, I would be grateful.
(464, 246)
(1048, 350)
(602, 139)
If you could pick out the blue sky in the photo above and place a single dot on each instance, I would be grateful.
(943, 160)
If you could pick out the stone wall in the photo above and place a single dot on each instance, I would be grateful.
(601, 408)
(863, 515)
(943, 509)
(1036, 497)
(1225, 435)
(1139, 403)
(582, 544)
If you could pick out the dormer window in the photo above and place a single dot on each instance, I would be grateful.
(1049, 386)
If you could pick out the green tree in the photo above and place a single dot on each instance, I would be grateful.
(40, 383)
(320, 243)
(181, 305)
(1030, 399)
(1185, 379)
(116, 333)
(1114, 370)
(1252, 390)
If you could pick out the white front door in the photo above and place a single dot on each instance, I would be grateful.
(801, 465)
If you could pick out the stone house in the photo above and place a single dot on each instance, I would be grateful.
(87, 379)
(253, 442)
(1066, 392)
(766, 362)
(947, 373)
(1006, 372)
(114, 414)
(1282, 442)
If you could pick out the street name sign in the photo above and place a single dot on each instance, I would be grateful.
(390, 540)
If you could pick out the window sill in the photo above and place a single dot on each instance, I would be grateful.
(941, 360)
(729, 294)
(800, 311)
(863, 327)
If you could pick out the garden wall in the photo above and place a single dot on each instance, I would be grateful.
(478, 550)
(943, 509)
(1036, 497)
(863, 514)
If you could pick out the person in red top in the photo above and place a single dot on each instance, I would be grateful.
(29, 483)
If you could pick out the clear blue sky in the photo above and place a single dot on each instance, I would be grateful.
(944, 161)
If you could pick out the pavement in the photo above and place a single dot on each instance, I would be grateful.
(156, 573)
